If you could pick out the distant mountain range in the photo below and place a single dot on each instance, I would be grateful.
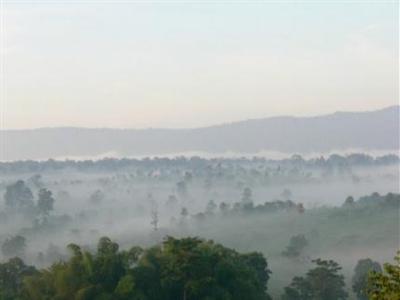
(370, 131)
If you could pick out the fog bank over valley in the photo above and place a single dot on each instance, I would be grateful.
(344, 206)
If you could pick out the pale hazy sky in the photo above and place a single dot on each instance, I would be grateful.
(186, 64)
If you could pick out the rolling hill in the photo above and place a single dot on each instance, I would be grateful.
(370, 131)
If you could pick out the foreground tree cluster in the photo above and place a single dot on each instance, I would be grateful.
(183, 269)
(187, 268)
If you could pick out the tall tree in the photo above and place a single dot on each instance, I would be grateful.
(14, 246)
(154, 218)
(45, 202)
(296, 245)
(320, 283)
(211, 207)
(360, 277)
(12, 273)
(18, 195)
(247, 196)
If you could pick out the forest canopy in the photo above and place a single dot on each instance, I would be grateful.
(187, 268)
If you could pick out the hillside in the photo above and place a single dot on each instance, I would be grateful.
(370, 131)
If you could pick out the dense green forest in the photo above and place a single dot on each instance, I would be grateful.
(187, 268)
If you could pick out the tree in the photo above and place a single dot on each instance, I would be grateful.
(18, 195)
(45, 202)
(300, 208)
(184, 213)
(360, 277)
(182, 188)
(247, 196)
(197, 269)
(188, 177)
(11, 278)
(96, 197)
(154, 218)
(211, 207)
(224, 207)
(349, 202)
(386, 285)
(14, 246)
(296, 245)
(321, 283)
(172, 201)
(36, 180)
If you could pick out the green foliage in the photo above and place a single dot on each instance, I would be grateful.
(390, 200)
(11, 277)
(188, 268)
(321, 283)
(194, 269)
(18, 195)
(360, 278)
(45, 202)
(296, 245)
(14, 246)
(386, 285)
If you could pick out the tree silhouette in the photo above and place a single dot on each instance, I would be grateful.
(321, 283)
(360, 277)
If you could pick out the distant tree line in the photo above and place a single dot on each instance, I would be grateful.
(114, 164)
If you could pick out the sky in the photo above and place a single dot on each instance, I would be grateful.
(175, 64)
